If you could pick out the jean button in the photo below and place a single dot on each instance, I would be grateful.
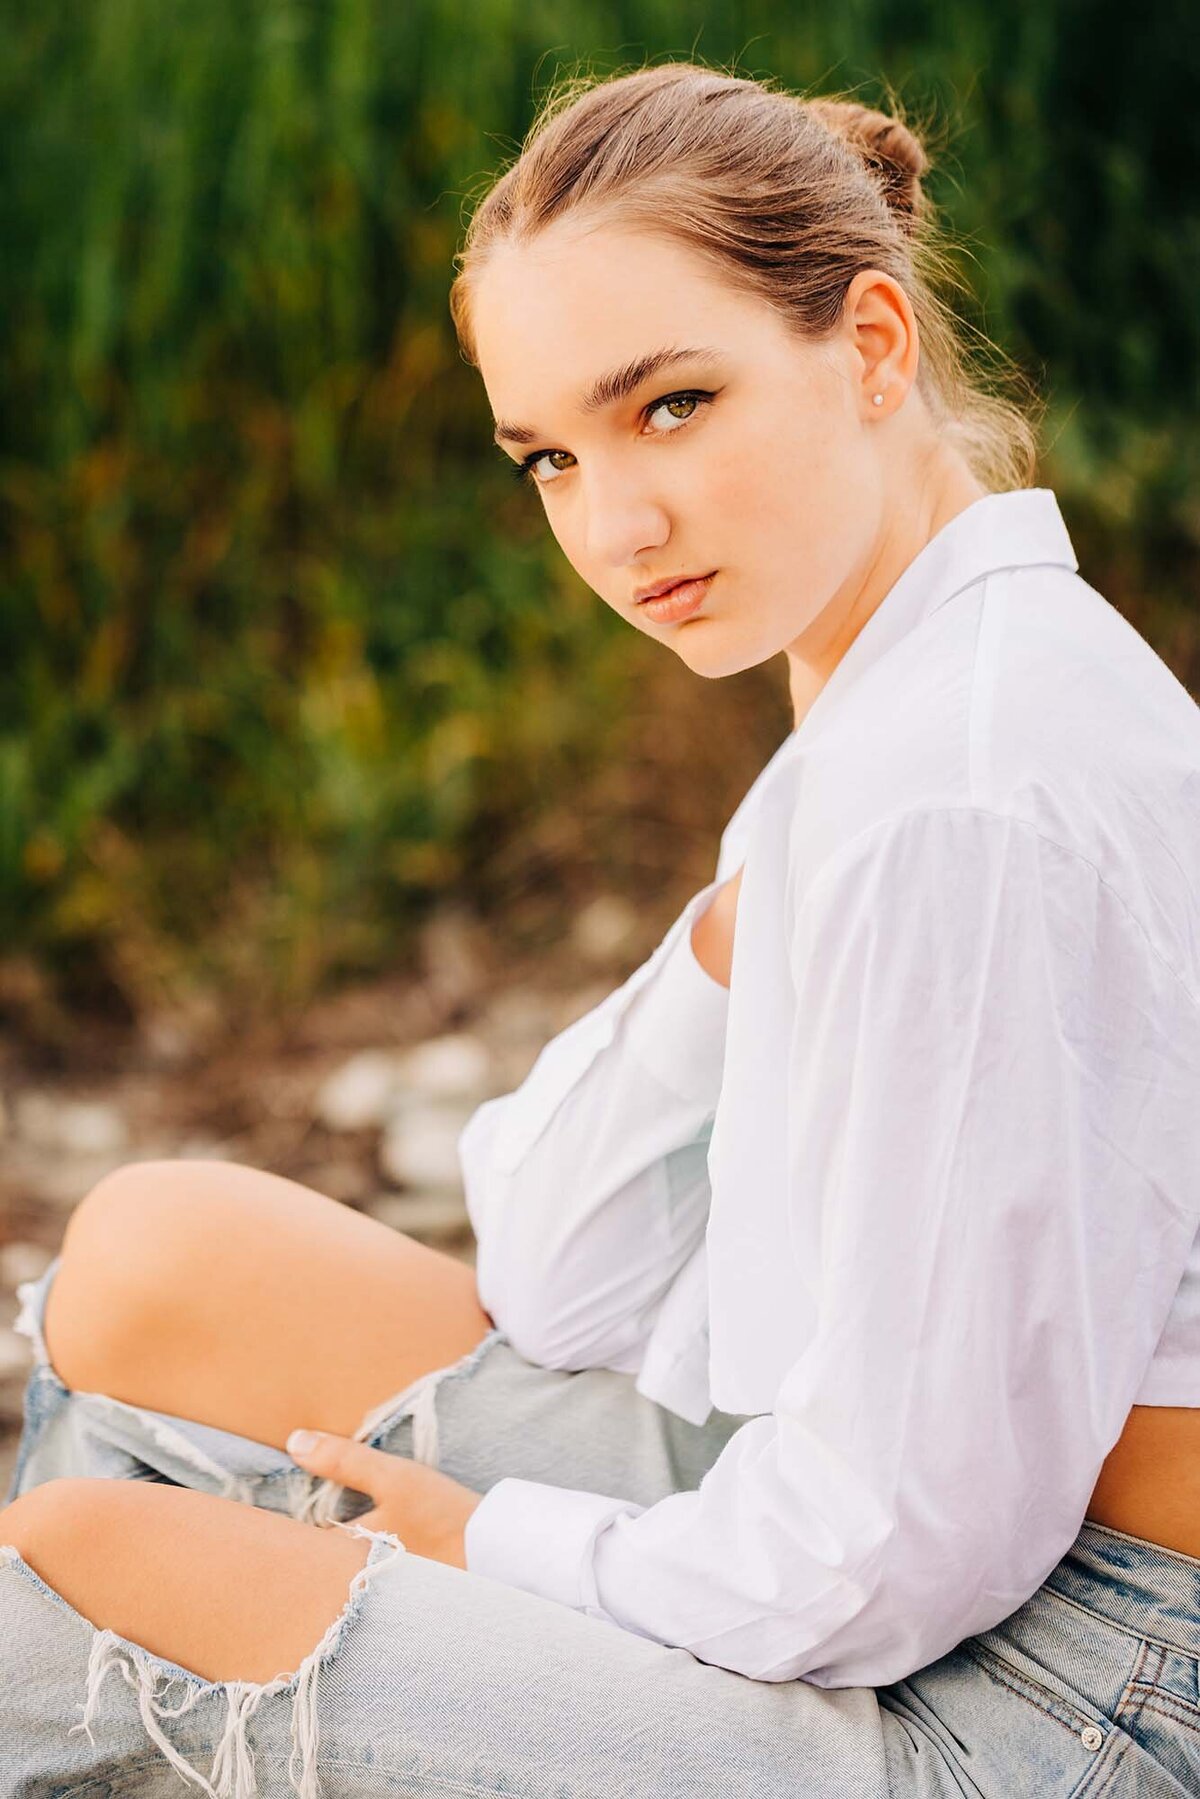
(1091, 1737)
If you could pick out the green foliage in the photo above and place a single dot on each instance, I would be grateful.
(282, 654)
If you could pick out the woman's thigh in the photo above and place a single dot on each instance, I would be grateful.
(171, 1570)
(248, 1302)
(486, 1414)
(434, 1681)
(431, 1681)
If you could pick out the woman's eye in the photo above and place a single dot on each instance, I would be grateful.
(524, 471)
(676, 400)
(526, 468)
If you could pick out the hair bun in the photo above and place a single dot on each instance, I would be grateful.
(894, 155)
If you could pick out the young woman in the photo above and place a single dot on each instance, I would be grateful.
(822, 1414)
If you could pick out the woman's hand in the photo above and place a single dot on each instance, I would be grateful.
(425, 1508)
(712, 932)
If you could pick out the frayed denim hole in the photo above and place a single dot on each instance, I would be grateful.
(381, 1421)
(232, 1775)
(418, 1408)
(11, 1557)
(323, 1500)
(30, 1319)
(466, 1364)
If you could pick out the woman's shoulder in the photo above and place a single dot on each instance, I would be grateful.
(1080, 726)
(1026, 695)
(1027, 699)
(1048, 629)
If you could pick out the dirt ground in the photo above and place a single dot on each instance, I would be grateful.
(361, 1101)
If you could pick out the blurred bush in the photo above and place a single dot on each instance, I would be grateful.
(283, 656)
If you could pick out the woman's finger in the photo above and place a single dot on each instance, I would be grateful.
(343, 1459)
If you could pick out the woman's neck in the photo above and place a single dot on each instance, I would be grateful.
(947, 488)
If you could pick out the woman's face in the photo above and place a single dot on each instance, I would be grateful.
(749, 458)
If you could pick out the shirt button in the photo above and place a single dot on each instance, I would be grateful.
(1091, 1737)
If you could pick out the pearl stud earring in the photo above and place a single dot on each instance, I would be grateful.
(877, 399)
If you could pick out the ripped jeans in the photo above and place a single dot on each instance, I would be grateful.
(91, 1434)
(435, 1683)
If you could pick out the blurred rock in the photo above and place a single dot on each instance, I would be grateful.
(74, 1127)
(376, 1086)
(346, 1181)
(16, 1354)
(521, 1020)
(23, 1262)
(604, 928)
(456, 1066)
(570, 1006)
(512, 1064)
(362, 1093)
(62, 1181)
(168, 1043)
(284, 1093)
(206, 1149)
(420, 1147)
(426, 1216)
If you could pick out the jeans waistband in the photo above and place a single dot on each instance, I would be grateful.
(1151, 1591)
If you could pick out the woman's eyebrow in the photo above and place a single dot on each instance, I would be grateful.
(618, 384)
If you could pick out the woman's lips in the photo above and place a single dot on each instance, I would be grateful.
(678, 602)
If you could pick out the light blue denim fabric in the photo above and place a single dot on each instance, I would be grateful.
(433, 1681)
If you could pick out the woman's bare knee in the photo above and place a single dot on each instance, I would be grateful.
(227, 1591)
(124, 1246)
(247, 1301)
(147, 1248)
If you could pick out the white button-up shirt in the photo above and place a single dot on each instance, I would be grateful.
(919, 1193)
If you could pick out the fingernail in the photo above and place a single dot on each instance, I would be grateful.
(302, 1442)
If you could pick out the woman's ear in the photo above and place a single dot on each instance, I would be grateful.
(881, 327)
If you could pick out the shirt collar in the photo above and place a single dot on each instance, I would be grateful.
(1022, 528)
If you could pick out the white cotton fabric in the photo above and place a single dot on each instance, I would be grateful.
(919, 1193)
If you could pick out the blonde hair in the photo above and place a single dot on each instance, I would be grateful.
(787, 197)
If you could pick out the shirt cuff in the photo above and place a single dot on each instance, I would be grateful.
(541, 1538)
(676, 1025)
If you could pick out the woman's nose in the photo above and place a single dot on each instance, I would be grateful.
(622, 523)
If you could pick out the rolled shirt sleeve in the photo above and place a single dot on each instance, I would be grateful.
(993, 1182)
(587, 1187)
